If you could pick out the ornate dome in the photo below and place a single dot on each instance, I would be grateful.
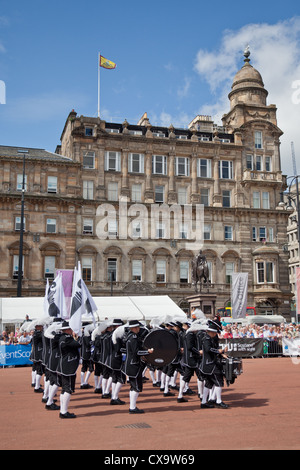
(248, 86)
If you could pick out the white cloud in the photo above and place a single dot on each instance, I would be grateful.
(274, 53)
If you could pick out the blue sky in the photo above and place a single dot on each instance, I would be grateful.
(174, 60)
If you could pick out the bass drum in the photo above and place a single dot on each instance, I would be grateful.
(165, 348)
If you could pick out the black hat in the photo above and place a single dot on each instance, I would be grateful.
(134, 323)
(65, 325)
(117, 322)
(178, 323)
(214, 325)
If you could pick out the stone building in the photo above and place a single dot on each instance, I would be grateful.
(94, 201)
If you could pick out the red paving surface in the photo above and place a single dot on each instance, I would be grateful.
(264, 414)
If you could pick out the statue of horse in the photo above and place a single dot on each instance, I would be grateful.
(200, 273)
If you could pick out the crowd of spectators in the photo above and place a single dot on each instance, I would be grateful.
(15, 337)
(235, 330)
(269, 332)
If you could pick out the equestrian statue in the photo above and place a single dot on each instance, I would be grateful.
(200, 271)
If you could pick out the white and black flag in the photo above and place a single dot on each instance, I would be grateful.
(56, 299)
(239, 291)
(81, 302)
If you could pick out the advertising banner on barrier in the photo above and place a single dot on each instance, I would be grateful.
(15, 355)
(243, 347)
(291, 347)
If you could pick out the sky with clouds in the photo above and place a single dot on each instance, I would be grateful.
(174, 61)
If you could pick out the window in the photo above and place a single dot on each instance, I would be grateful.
(265, 200)
(258, 139)
(136, 229)
(20, 182)
(18, 224)
(49, 267)
(182, 196)
(159, 193)
(16, 266)
(137, 266)
(265, 272)
(254, 234)
(249, 162)
(256, 200)
(112, 191)
(268, 163)
(184, 272)
(228, 232)
(161, 267)
(159, 165)
(89, 160)
(225, 169)
(258, 165)
(207, 232)
(86, 264)
(87, 226)
(229, 269)
(136, 193)
(203, 168)
(88, 189)
(112, 269)
(112, 161)
(160, 230)
(89, 131)
(51, 226)
(226, 198)
(262, 234)
(159, 134)
(183, 232)
(112, 228)
(204, 196)
(182, 166)
(52, 184)
(136, 163)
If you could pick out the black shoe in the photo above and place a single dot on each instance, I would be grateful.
(44, 400)
(53, 406)
(38, 390)
(162, 389)
(207, 405)
(67, 415)
(182, 400)
(221, 405)
(106, 395)
(189, 392)
(98, 390)
(86, 386)
(117, 401)
(174, 387)
(169, 394)
(136, 411)
(120, 402)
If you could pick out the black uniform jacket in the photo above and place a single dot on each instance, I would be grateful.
(69, 351)
(54, 353)
(37, 346)
(86, 348)
(211, 356)
(134, 352)
(190, 353)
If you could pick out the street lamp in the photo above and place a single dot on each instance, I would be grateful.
(20, 266)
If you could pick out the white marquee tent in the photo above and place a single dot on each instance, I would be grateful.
(14, 310)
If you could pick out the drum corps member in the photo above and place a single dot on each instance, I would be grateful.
(69, 350)
(211, 366)
(134, 365)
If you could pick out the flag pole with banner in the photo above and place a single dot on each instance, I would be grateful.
(106, 64)
(239, 290)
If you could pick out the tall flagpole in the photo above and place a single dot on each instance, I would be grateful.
(98, 84)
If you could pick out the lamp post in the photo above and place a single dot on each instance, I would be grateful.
(20, 266)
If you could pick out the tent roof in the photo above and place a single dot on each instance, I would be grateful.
(147, 307)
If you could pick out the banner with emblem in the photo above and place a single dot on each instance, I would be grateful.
(239, 291)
